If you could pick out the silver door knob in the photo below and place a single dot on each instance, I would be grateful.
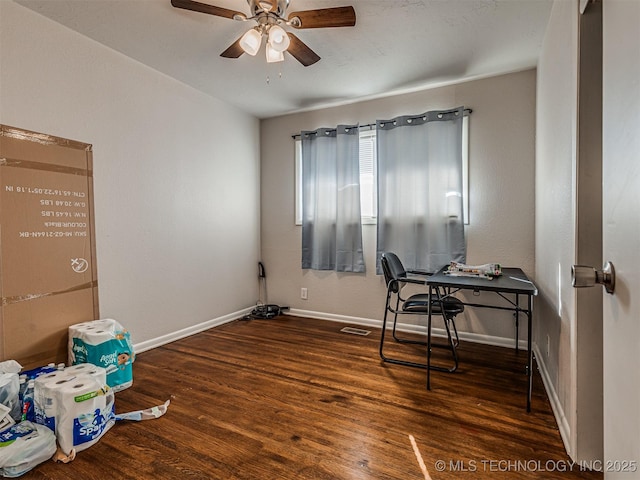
(585, 276)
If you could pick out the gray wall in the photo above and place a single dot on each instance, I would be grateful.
(555, 191)
(501, 178)
(176, 175)
(568, 228)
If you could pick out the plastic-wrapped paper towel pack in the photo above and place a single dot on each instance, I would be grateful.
(85, 412)
(76, 404)
(47, 388)
(73, 405)
(107, 344)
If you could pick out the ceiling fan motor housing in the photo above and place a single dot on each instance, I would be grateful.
(278, 7)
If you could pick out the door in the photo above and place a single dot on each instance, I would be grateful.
(621, 237)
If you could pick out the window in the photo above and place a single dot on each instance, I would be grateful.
(368, 187)
(465, 169)
(298, 176)
(368, 190)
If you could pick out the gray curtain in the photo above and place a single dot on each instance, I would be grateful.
(331, 225)
(420, 189)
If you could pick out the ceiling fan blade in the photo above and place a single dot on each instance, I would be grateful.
(234, 50)
(206, 8)
(324, 17)
(301, 52)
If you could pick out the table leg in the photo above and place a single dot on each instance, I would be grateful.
(429, 340)
(529, 352)
(517, 315)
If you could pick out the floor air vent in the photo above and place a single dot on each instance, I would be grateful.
(356, 331)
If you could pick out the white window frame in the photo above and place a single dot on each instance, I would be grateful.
(298, 181)
(368, 135)
(465, 169)
(372, 200)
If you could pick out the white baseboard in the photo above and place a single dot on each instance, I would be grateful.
(408, 328)
(554, 400)
(187, 332)
(403, 327)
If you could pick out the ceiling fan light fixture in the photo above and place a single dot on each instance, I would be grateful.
(274, 55)
(251, 41)
(271, 16)
(278, 38)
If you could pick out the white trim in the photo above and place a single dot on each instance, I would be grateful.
(408, 328)
(333, 317)
(188, 331)
(554, 400)
(297, 169)
(465, 170)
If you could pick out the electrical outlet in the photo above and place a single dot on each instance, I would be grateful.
(303, 293)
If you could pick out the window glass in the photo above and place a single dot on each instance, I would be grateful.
(368, 190)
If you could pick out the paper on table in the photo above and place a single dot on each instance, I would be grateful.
(488, 270)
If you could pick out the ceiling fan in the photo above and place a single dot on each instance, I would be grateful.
(270, 16)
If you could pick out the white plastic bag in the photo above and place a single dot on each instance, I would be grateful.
(23, 446)
(10, 366)
(9, 390)
(146, 414)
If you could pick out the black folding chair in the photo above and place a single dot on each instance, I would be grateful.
(448, 307)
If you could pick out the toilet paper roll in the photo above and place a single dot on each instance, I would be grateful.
(42, 379)
(46, 398)
(87, 369)
(92, 336)
(79, 369)
(39, 385)
(85, 413)
(101, 324)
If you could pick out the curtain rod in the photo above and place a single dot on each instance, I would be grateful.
(467, 111)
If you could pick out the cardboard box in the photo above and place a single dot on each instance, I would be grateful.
(48, 276)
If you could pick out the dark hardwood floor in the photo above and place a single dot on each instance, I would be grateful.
(294, 398)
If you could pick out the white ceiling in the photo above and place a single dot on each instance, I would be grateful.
(396, 46)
